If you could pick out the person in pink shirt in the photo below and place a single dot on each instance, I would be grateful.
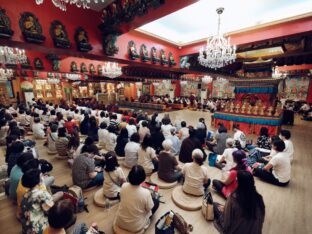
(227, 186)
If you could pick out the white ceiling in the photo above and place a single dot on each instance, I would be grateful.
(199, 20)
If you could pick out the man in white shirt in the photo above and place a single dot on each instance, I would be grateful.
(131, 150)
(285, 135)
(38, 129)
(239, 135)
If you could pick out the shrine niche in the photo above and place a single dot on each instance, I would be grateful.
(26, 64)
(5, 25)
(163, 59)
(82, 40)
(109, 44)
(92, 69)
(56, 64)
(73, 67)
(132, 52)
(31, 28)
(155, 59)
(144, 53)
(171, 59)
(83, 68)
(59, 35)
(100, 70)
(38, 64)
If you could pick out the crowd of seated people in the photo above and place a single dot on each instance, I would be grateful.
(148, 144)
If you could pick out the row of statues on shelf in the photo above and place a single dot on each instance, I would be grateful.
(258, 109)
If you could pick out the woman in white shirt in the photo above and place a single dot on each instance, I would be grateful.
(103, 134)
(278, 170)
(131, 127)
(114, 177)
(147, 155)
(131, 150)
(196, 179)
(239, 135)
(183, 132)
(52, 137)
(38, 129)
(226, 159)
(112, 139)
(136, 203)
(166, 127)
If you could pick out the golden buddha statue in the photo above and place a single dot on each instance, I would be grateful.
(237, 108)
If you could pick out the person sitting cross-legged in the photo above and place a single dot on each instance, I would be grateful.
(196, 179)
(84, 172)
(278, 169)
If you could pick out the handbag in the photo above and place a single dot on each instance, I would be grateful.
(181, 225)
(159, 226)
(212, 159)
(207, 207)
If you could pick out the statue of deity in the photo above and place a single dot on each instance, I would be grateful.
(261, 110)
(232, 107)
(270, 110)
(249, 109)
(255, 109)
(243, 108)
(237, 108)
(278, 110)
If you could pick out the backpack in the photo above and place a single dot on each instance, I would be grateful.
(76, 192)
(181, 225)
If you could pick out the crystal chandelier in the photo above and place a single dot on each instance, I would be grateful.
(61, 4)
(9, 55)
(206, 79)
(112, 70)
(276, 74)
(5, 74)
(218, 51)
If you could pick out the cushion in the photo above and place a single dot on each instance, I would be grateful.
(99, 199)
(162, 184)
(186, 201)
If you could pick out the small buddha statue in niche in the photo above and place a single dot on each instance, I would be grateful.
(249, 109)
(232, 107)
(270, 110)
(243, 107)
(278, 110)
(261, 110)
(237, 108)
(255, 109)
(227, 106)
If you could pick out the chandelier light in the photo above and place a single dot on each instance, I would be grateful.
(62, 4)
(9, 55)
(218, 52)
(276, 74)
(207, 79)
(5, 74)
(112, 70)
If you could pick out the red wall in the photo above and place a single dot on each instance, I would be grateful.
(73, 18)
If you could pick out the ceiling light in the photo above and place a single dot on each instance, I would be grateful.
(207, 79)
(218, 51)
(112, 70)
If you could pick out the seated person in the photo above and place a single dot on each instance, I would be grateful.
(17, 173)
(61, 143)
(285, 135)
(244, 209)
(111, 138)
(263, 140)
(188, 145)
(3, 131)
(226, 159)
(103, 134)
(176, 143)
(17, 149)
(168, 167)
(57, 225)
(84, 172)
(70, 124)
(136, 203)
(38, 129)
(239, 135)
(143, 130)
(147, 157)
(131, 150)
(278, 170)
(122, 140)
(218, 144)
(184, 131)
(131, 127)
(196, 179)
(227, 186)
(158, 138)
(52, 137)
(93, 129)
(114, 177)
(35, 203)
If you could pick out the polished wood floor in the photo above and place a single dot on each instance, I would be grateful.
(288, 210)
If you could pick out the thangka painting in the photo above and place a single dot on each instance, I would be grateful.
(222, 89)
(297, 88)
(190, 88)
(162, 89)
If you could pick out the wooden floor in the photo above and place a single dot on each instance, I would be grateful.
(288, 210)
